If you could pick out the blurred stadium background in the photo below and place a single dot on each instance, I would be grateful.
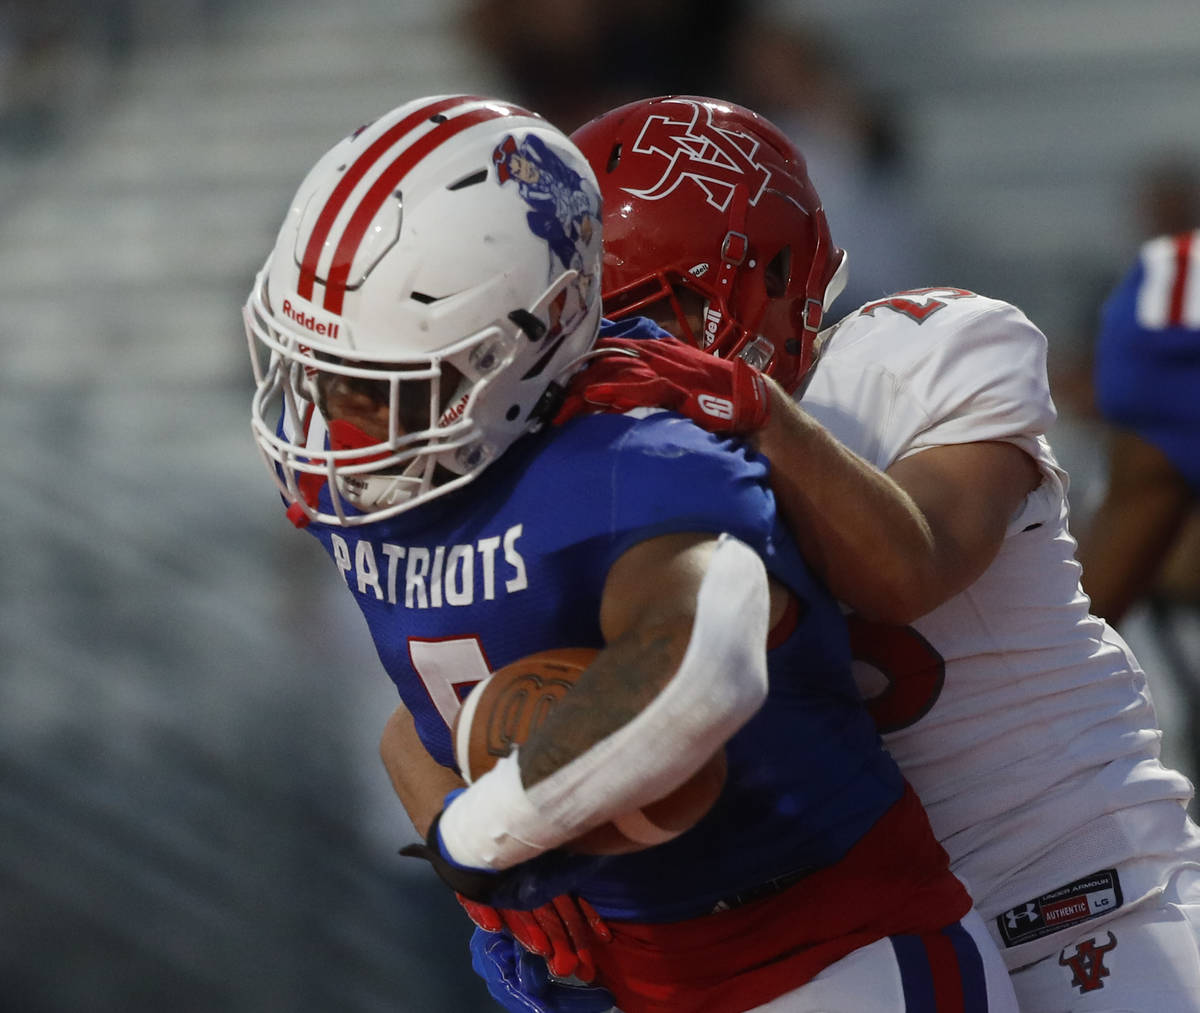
(193, 815)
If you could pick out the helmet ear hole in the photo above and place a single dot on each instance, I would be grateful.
(614, 157)
(778, 274)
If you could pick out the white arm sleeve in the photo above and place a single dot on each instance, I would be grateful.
(720, 684)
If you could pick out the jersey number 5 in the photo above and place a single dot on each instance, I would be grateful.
(449, 670)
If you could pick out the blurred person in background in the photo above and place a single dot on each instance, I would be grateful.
(917, 476)
(573, 59)
(56, 57)
(1141, 548)
(1141, 545)
(1144, 537)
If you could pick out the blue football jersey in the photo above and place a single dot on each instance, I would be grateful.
(515, 563)
(1147, 369)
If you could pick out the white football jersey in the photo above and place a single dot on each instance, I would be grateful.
(1023, 722)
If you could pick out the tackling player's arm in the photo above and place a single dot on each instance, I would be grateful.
(1144, 509)
(892, 545)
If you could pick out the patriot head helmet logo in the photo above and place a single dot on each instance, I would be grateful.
(718, 160)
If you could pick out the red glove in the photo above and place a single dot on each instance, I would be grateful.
(561, 931)
(720, 395)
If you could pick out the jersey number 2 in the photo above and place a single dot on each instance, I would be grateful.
(918, 304)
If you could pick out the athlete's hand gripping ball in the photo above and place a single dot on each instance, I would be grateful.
(720, 395)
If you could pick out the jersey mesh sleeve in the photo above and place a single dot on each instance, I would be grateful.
(930, 368)
(988, 384)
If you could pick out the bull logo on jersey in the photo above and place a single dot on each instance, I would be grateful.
(717, 160)
(1087, 964)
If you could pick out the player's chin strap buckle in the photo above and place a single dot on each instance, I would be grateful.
(734, 248)
(813, 312)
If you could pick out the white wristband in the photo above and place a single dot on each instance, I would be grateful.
(493, 824)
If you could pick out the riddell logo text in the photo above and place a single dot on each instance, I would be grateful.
(712, 323)
(454, 412)
(309, 322)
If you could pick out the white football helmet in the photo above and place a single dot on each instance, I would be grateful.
(442, 263)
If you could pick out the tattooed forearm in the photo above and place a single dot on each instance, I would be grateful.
(617, 686)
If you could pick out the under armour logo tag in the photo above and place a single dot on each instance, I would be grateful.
(1087, 964)
(1027, 914)
(1094, 896)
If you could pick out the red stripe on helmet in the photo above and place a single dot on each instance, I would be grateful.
(352, 177)
(389, 179)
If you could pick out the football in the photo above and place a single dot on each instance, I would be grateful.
(502, 710)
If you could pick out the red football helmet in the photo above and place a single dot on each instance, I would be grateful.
(712, 227)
